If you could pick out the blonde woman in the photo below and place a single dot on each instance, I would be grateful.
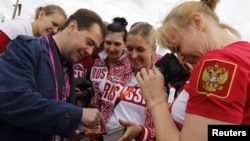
(218, 89)
(47, 20)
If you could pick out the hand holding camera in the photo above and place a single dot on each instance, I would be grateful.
(174, 73)
(84, 91)
(172, 70)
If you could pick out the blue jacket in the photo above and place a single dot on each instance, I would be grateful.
(29, 110)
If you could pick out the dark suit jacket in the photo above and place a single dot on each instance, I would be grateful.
(28, 108)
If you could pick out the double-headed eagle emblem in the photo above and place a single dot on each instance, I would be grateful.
(214, 77)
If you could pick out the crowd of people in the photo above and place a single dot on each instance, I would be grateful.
(60, 76)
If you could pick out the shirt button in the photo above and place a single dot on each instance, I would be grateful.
(67, 114)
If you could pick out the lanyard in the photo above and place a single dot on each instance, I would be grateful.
(66, 86)
(53, 67)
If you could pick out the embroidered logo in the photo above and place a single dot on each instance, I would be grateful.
(215, 78)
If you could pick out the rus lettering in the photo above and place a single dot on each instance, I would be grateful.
(99, 73)
(110, 91)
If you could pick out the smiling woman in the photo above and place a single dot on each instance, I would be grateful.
(47, 20)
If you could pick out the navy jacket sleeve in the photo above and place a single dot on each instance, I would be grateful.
(27, 90)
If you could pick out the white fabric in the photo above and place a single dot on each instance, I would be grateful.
(17, 26)
(179, 107)
(171, 95)
(133, 110)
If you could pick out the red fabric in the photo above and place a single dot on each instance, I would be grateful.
(220, 87)
(147, 134)
(4, 40)
(83, 67)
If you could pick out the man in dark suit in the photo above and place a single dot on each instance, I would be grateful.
(37, 91)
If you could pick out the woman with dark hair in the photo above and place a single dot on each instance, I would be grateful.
(111, 70)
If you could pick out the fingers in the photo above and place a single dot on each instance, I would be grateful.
(81, 94)
(141, 75)
(92, 118)
(132, 130)
(126, 135)
(188, 66)
(156, 70)
(123, 122)
(94, 130)
(148, 75)
(77, 89)
(102, 123)
(77, 132)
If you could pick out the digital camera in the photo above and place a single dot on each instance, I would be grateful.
(85, 86)
(172, 70)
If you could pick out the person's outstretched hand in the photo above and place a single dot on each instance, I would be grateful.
(133, 131)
